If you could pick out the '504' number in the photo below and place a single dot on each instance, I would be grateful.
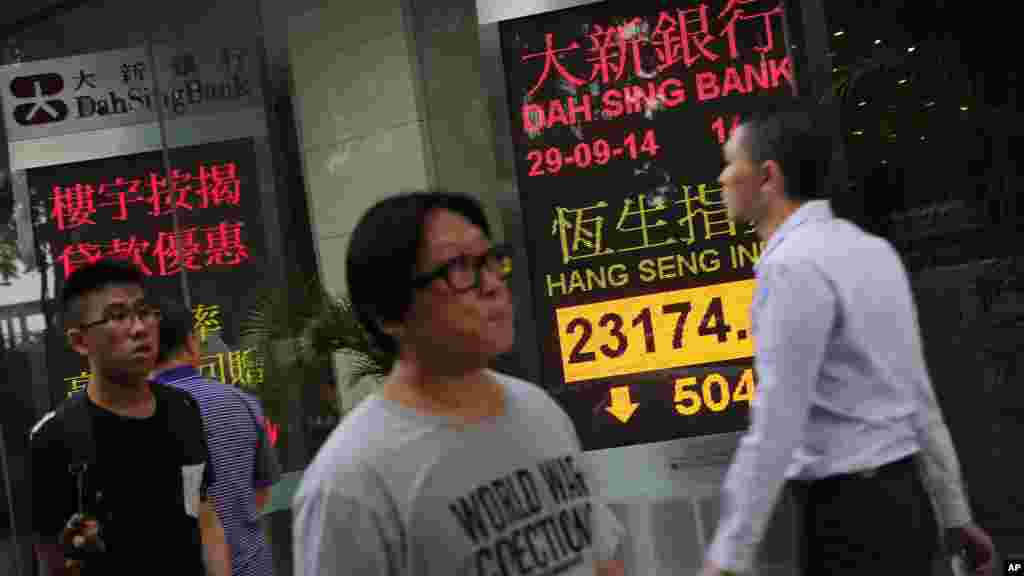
(713, 393)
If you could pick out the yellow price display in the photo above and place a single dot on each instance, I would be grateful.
(713, 393)
(670, 329)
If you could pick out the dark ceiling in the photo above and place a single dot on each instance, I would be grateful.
(15, 11)
(18, 14)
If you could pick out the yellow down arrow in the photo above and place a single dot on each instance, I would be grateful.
(622, 407)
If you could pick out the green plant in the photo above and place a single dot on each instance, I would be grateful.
(336, 329)
(8, 262)
(297, 332)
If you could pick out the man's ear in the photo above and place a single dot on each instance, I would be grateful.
(77, 341)
(771, 176)
(393, 329)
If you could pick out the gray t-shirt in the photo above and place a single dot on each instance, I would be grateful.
(394, 492)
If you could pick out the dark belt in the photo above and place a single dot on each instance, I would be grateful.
(897, 468)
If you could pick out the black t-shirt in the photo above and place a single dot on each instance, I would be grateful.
(136, 488)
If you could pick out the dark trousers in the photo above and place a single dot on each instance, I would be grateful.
(875, 523)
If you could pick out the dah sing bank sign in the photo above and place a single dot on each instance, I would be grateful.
(110, 89)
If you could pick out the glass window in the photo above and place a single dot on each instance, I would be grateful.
(161, 133)
(930, 121)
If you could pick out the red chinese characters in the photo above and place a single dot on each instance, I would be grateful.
(224, 245)
(683, 37)
(73, 206)
(737, 12)
(218, 185)
(131, 249)
(550, 55)
(678, 37)
(165, 198)
(75, 256)
(168, 254)
(120, 194)
(175, 252)
(78, 204)
(614, 48)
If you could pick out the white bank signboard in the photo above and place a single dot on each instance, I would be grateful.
(109, 89)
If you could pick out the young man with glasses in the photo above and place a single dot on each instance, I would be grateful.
(119, 470)
(450, 468)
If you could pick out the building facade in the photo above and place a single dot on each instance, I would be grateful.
(231, 144)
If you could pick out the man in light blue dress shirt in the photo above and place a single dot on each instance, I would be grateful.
(845, 409)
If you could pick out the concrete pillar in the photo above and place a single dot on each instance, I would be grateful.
(360, 122)
(388, 98)
(456, 117)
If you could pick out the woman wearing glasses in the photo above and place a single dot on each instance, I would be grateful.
(450, 468)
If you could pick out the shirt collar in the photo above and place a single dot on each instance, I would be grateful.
(175, 373)
(811, 211)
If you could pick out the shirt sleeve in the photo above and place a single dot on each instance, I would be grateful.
(793, 314)
(194, 442)
(940, 466)
(336, 534)
(53, 492)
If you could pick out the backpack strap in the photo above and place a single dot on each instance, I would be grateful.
(79, 443)
(78, 432)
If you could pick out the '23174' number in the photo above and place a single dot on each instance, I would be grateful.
(712, 324)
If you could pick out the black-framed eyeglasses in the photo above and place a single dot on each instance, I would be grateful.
(463, 273)
(122, 316)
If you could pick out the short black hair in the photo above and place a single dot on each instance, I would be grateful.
(382, 251)
(800, 141)
(92, 278)
(176, 325)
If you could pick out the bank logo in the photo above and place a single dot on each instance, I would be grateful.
(37, 101)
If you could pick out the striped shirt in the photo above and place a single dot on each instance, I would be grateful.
(233, 421)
